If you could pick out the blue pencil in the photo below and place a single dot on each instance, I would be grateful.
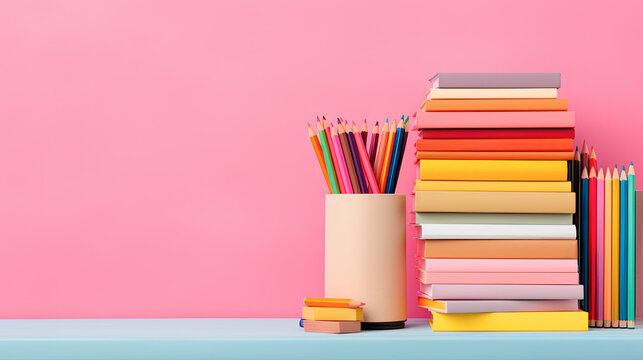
(622, 286)
(584, 236)
(397, 171)
(395, 159)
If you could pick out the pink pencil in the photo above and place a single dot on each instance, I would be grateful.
(333, 155)
(340, 158)
(366, 165)
(600, 245)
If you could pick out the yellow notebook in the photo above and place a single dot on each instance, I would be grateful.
(540, 186)
(511, 321)
(327, 313)
(494, 170)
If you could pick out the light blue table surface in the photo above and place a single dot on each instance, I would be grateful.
(185, 339)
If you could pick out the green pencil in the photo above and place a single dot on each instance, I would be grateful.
(631, 239)
(327, 157)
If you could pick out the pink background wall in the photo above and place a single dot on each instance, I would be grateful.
(154, 160)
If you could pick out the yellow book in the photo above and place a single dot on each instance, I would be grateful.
(494, 170)
(535, 186)
(328, 313)
(511, 321)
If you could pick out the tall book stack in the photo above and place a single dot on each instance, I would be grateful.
(497, 241)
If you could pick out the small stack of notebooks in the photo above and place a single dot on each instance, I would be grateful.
(494, 205)
(606, 220)
(330, 315)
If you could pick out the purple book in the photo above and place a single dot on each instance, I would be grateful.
(496, 80)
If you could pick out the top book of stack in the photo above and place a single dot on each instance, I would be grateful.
(496, 80)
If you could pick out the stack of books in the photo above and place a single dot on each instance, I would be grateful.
(494, 205)
(330, 315)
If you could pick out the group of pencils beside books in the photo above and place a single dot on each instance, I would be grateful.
(494, 205)
(350, 166)
(607, 202)
(331, 315)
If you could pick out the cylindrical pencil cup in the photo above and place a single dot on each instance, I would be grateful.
(365, 255)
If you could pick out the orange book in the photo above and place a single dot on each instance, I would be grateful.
(495, 155)
(495, 145)
(496, 105)
(498, 249)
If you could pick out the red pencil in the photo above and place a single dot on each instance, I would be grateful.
(591, 278)
(592, 161)
(372, 149)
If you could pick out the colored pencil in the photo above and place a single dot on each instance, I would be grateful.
(622, 287)
(333, 155)
(399, 166)
(395, 157)
(616, 197)
(366, 165)
(320, 156)
(600, 245)
(348, 188)
(576, 189)
(584, 156)
(387, 157)
(364, 132)
(356, 159)
(584, 236)
(631, 245)
(348, 157)
(607, 289)
(372, 148)
(591, 277)
(592, 160)
(332, 302)
(327, 158)
(381, 149)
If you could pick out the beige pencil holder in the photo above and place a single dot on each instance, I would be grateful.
(365, 255)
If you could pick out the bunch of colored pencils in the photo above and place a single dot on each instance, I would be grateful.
(348, 167)
(606, 228)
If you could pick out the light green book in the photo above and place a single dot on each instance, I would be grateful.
(489, 218)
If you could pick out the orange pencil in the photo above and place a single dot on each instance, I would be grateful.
(387, 157)
(320, 157)
(332, 302)
(381, 148)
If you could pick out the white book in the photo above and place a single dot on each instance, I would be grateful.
(481, 306)
(492, 231)
(543, 93)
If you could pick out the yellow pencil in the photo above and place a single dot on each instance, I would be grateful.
(387, 157)
(607, 277)
(615, 244)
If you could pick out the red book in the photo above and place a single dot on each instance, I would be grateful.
(497, 133)
(591, 278)
(495, 145)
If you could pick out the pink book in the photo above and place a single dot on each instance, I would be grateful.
(478, 306)
(499, 265)
(549, 278)
(501, 292)
(494, 119)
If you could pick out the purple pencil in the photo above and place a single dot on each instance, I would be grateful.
(375, 135)
(358, 164)
(364, 132)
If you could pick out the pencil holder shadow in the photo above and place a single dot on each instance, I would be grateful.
(365, 256)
